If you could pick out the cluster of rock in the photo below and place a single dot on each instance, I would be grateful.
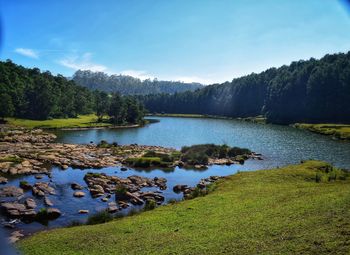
(126, 189)
(24, 208)
(202, 185)
(27, 136)
(32, 152)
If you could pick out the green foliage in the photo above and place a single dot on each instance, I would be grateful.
(120, 190)
(329, 173)
(99, 217)
(144, 161)
(12, 159)
(105, 144)
(150, 205)
(199, 154)
(338, 131)
(314, 91)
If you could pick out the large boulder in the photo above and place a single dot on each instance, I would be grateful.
(18, 210)
(179, 188)
(53, 213)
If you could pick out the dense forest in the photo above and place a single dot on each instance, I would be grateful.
(312, 91)
(128, 85)
(32, 94)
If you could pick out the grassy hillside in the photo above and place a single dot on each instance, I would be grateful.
(80, 122)
(340, 131)
(280, 211)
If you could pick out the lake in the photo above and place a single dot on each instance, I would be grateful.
(279, 145)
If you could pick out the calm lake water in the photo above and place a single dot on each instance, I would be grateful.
(279, 145)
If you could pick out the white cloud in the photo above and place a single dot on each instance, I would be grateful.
(27, 52)
(142, 75)
(82, 62)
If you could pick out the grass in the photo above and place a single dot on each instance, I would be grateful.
(82, 121)
(339, 131)
(280, 211)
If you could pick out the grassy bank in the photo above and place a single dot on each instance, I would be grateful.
(83, 121)
(280, 211)
(339, 131)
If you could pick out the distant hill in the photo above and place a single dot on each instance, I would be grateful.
(128, 85)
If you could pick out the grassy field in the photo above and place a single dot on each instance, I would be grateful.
(280, 211)
(83, 121)
(340, 131)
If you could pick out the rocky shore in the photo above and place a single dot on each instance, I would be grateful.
(35, 152)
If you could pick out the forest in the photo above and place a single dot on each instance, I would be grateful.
(32, 94)
(128, 85)
(312, 91)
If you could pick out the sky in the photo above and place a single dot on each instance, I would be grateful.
(205, 41)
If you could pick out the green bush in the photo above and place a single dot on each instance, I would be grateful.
(144, 161)
(99, 217)
(150, 205)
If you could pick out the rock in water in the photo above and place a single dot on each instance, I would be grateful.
(112, 207)
(53, 213)
(11, 191)
(76, 186)
(3, 180)
(83, 211)
(47, 201)
(30, 203)
(79, 194)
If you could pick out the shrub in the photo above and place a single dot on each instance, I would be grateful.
(150, 205)
(99, 217)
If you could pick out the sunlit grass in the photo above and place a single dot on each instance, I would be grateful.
(340, 131)
(80, 122)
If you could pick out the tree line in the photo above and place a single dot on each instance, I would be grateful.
(32, 94)
(313, 91)
(128, 85)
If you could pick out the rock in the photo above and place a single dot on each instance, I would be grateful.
(79, 194)
(30, 203)
(123, 204)
(76, 186)
(17, 210)
(40, 189)
(25, 185)
(97, 191)
(15, 236)
(179, 188)
(47, 201)
(39, 176)
(104, 199)
(123, 169)
(11, 191)
(112, 207)
(83, 211)
(64, 167)
(134, 199)
(201, 185)
(53, 213)
(3, 180)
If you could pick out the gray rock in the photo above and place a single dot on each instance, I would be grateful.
(3, 180)
(30, 203)
(47, 201)
(76, 186)
(79, 194)
(11, 191)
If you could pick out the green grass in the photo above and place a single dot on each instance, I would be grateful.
(340, 131)
(280, 211)
(82, 121)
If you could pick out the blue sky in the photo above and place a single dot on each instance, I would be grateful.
(190, 40)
